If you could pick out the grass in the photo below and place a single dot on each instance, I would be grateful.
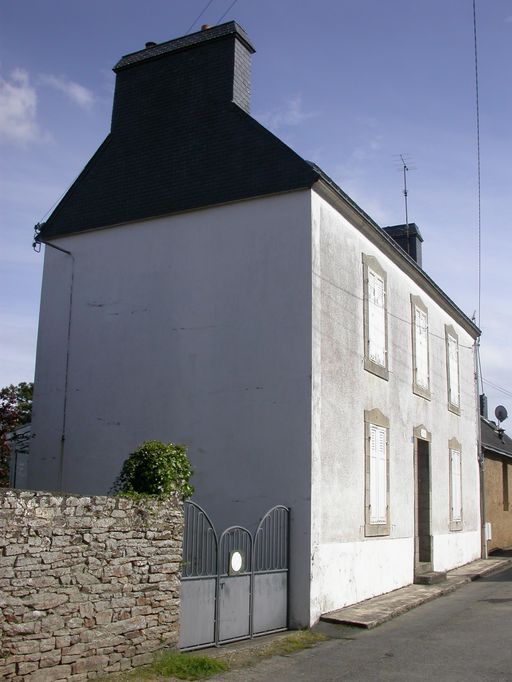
(172, 664)
(302, 639)
(187, 666)
(192, 666)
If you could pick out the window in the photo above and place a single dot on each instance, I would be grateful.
(376, 473)
(452, 369)
(420, 354)
(455, 485)
(375, 318)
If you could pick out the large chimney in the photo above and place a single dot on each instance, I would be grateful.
(409, 238)
(196, 74)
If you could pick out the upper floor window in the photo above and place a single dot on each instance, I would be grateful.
(452, 369)
(375, 317)
(420, 349)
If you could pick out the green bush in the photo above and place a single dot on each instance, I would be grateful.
(157, 470)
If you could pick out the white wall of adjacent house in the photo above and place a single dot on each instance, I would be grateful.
(192, 328)
(347, 564)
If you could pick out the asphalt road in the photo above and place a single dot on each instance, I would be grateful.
(463, 637)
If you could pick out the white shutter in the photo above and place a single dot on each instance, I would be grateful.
(456, 485)
(453, 371)
(376, 319)
(378, 475)
(421, 347)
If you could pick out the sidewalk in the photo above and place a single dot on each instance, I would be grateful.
(373, 612)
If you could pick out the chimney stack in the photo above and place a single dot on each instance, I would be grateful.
(483, 406)
(408, 238)
(189, 78)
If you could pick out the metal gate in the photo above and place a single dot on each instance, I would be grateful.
(234, 586)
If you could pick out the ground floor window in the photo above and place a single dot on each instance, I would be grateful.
(455, 462)
(376, 473)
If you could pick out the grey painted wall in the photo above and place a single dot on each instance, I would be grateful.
(194, 328)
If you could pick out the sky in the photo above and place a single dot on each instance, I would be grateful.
(348, 84)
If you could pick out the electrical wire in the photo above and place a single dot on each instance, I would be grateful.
(497, 388)
(228, 10)
(409, 323)
(198, 16)
(477, 103)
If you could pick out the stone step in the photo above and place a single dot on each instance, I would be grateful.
(430, 578)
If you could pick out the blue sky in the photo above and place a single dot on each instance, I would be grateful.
(348, 84)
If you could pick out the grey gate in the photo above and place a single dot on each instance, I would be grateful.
(234, 586)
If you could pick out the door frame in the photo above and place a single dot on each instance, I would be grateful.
(422, 441)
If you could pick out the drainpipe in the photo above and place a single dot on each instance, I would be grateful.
(37, 247)
(480, 452)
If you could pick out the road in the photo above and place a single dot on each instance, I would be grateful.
(463, 637)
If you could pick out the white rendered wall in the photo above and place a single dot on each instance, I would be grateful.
(193, 328)
(348, 567)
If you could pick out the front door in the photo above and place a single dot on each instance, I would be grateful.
(423, 537)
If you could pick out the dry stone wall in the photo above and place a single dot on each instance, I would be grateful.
(88, 585)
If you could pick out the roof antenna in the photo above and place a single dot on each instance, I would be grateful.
(405, 168)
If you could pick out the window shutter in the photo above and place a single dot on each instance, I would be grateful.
(421, 347)
(456, 485)
(453, 371)
(378, 475)
(376, 319)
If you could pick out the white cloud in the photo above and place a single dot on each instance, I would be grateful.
(18, 108)
(77, 93)
(290, 113)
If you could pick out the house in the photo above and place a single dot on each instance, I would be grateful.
(206, 285)
(497, 452)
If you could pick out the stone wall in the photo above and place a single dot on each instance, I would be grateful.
(88, 585)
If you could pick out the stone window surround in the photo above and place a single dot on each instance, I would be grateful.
(450, 331)
(371, 263)
(455, 525)
(416, 302)
(376, 418)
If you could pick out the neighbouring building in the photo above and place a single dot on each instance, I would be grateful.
(206, 285)
(497, 452)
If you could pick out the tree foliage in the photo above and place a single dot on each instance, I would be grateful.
(156, 469)
(15, 411)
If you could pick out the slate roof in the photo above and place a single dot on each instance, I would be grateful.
(493, 441)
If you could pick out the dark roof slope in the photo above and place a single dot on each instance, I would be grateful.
(235, 158)
(181, 138)
(494, 441)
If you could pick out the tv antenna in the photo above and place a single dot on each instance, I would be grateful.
(405, 167)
